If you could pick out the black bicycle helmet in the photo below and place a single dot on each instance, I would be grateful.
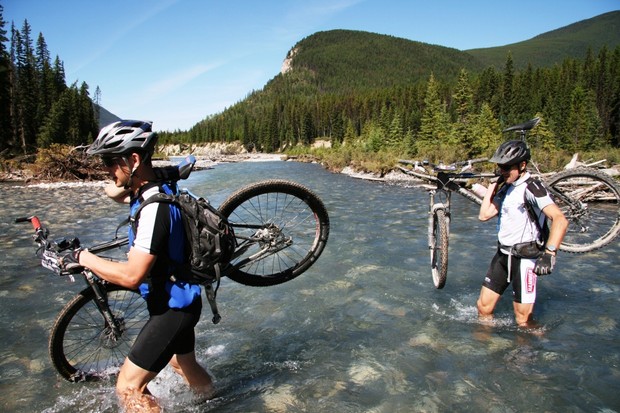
(511, 152)
(123, 138)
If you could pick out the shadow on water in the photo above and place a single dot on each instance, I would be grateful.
(362, 330)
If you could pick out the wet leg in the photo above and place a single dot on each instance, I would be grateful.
(132, 391)
(486, 304)
(194, 374)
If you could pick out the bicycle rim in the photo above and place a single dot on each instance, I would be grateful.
(590, 200)
(294, 228)
(82, 346)
(439, 249)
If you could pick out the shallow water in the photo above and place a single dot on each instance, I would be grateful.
(362, 330)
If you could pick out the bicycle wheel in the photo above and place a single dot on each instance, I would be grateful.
(82, 346)
(288, 225)
(590, 200)
(438, 245)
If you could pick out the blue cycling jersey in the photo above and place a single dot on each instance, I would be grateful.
(161, 225)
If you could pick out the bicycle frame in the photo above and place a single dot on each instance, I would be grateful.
(269, 236)
(447, 182)
(439, 216)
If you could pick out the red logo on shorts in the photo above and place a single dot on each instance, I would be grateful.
(530, 281)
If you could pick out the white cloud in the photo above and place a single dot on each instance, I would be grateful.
(172, 82)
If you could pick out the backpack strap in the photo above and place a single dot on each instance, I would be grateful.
(210, 292)
(543, 230)
(158, 197)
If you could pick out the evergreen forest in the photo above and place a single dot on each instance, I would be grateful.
(374, 94)
(37, 107)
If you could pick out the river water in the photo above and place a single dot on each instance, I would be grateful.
(363, 330)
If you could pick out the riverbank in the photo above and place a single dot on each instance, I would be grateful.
(208, 156)
(24, 173)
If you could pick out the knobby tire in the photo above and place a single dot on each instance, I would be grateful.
(590, 200)
(439, 249)
(81, 346)
(295, 215)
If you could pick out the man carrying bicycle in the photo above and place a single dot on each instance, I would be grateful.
(522, 204)
(126, 148)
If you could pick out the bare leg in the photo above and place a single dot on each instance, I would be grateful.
(486, 303)
(193, 373)
(524, 315)
(131, 387)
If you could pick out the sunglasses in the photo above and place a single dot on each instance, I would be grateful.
(506, 168)
(110, 162)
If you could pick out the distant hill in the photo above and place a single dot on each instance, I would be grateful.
(552, 47)
(341, 83)
(347, 61)
(356, 60)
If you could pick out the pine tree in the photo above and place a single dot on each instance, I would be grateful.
(97, 105)
(46, 91)
(337, 127)
(6, 135)
(463, 106)
(434, 125)
(395, 132)
(583, 122)
(542, 138)
(486, 133)
(507, 103)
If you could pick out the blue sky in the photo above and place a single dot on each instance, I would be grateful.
(176, 62)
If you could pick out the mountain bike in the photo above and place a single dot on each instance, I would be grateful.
(589, 199)
(281, 228)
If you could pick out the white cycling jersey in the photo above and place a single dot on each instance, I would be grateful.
(515, 224)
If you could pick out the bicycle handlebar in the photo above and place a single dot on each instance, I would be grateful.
(36, 224)
(443, 167)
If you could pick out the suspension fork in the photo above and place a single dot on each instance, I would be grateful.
(101, 300)
(432, 214)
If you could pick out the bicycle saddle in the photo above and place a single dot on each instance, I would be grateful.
(523, 126)
(180, 171)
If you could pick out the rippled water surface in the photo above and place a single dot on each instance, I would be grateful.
(362, 331)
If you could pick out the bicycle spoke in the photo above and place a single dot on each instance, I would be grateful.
(283, 226)
(84, 346)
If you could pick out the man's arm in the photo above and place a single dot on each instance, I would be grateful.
(128, 274)
(559, 224)
(489, 209)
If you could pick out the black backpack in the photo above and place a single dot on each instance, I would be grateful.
(209, 239)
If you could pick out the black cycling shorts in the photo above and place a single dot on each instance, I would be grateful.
(164, 335)
(523, 280)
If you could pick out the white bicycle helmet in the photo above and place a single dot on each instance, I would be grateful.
(123, 138)
(511, 152)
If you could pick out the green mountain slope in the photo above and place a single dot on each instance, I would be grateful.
(344, 84)
(552, 47)
(345, 59)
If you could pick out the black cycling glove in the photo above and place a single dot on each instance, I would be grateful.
(49, 260)
(70, 261)
(66, 262)
(544, 264)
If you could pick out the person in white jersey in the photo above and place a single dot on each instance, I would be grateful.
(524, 252)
